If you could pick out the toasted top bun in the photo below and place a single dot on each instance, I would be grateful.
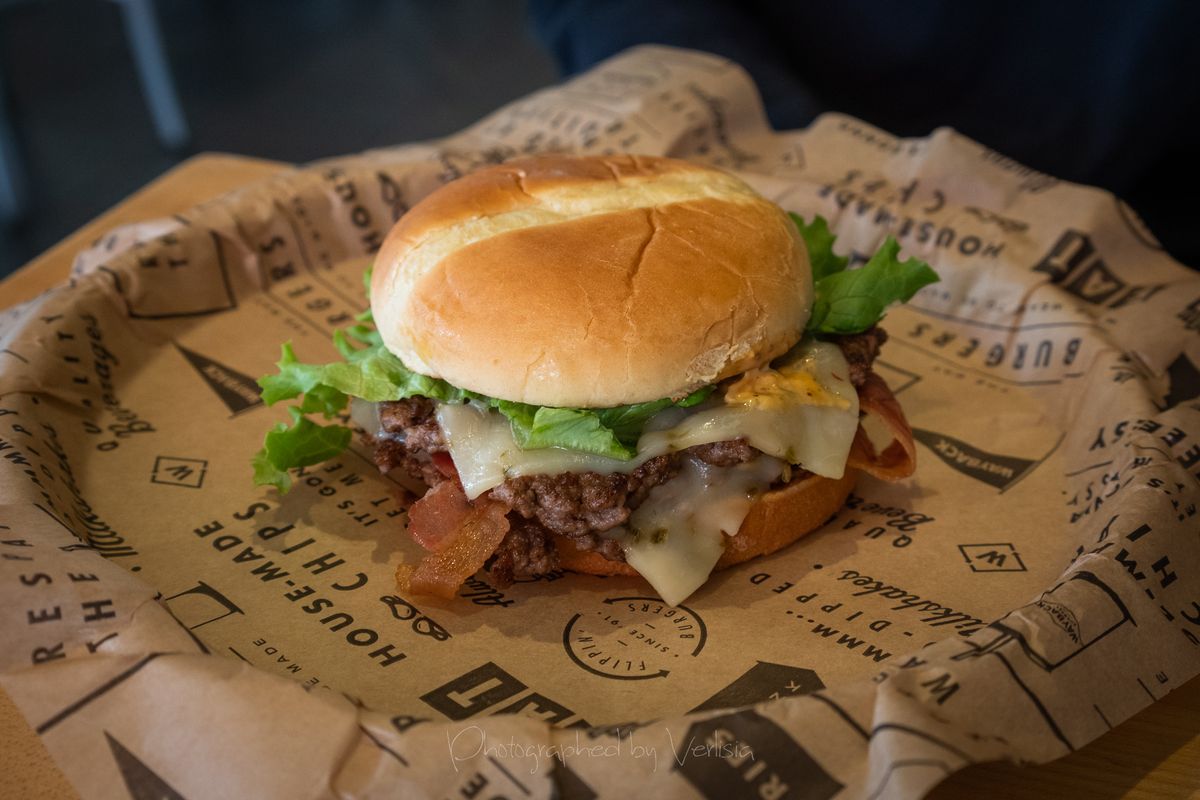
(591, 282)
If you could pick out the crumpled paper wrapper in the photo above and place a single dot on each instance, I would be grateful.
(171, 630)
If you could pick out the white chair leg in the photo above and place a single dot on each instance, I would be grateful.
(14, 196)
(158, 87)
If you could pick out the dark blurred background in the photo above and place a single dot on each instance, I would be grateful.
(293, 80)
(1104, 92)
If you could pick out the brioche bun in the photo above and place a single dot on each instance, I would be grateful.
(591, 282)
(778, 518)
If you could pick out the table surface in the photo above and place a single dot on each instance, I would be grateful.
(1156, 754)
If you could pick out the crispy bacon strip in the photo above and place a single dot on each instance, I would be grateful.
(462, 551)
(436, 517)
(899, 459)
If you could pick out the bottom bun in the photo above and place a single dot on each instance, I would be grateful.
(778, 518)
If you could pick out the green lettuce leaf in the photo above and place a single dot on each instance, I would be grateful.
(325, 400)
(849, 301)
(572, 428)
(697, 397)
(374, 374)
(853, 300)
(819, 241)
(611, 432)
(371, 373)
(301, 444)
(626, 422)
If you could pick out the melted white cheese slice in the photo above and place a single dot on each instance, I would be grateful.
(804, 411)
(675, 536)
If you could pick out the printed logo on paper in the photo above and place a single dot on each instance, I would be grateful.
(200, 605)
(142, 782)
(634, 638)
(236, 390)
(182, 274)
(991, 468)
(764, 681)
(174, 471)
(490, 689)
(1054, 629)
(1001, 557)
(1074, 265)
(744, 754)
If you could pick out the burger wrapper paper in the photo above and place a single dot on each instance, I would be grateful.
(169, 629)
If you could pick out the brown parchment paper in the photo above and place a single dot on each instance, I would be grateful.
(171, 630)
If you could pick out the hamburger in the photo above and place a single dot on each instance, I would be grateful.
(621, 365)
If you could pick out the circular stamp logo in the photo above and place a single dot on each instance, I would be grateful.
(634, 638)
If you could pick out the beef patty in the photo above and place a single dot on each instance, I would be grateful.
(581, 506)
